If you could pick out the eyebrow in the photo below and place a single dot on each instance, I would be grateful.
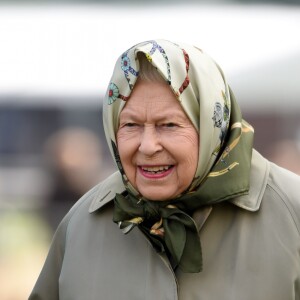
(160, 116)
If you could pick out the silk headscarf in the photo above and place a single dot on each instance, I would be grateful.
(225, 146)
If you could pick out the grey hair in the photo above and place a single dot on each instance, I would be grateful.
(147, 71)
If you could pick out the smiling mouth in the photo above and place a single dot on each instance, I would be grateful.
(156, 169)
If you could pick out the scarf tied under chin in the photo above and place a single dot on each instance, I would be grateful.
(166, 226)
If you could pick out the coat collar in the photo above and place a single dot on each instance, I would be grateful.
(260, 168)
(107, 190)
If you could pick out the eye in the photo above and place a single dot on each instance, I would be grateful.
(170, 125)
(130, 125)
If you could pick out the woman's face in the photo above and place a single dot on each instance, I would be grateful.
(157, 143)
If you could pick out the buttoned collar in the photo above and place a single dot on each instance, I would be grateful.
(107, 190)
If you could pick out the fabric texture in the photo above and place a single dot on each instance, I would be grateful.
(224, 152)
(250, 247)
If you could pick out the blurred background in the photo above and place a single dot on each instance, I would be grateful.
(56, 59)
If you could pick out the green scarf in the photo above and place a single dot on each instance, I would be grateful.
(225, 149)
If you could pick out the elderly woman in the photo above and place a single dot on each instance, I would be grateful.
(193, 211)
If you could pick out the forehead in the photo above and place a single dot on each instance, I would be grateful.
(156, 97)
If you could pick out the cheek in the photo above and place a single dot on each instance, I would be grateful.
(189, 153)
(127, 148)
(194, 148)
(127, 137)
(122, 144)
(188, 145)
(190, 161)
(123, 140)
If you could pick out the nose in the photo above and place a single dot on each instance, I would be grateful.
(150, 142)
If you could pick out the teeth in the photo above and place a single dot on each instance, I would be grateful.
(156, 169)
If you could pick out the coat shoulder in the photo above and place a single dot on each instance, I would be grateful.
(98, 196)
(286, 185)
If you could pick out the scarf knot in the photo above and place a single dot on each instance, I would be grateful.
(167, 227)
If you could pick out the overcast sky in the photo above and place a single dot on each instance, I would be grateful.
(71, 50)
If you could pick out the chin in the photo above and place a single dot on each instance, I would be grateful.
(157, 199)
(157, 196)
